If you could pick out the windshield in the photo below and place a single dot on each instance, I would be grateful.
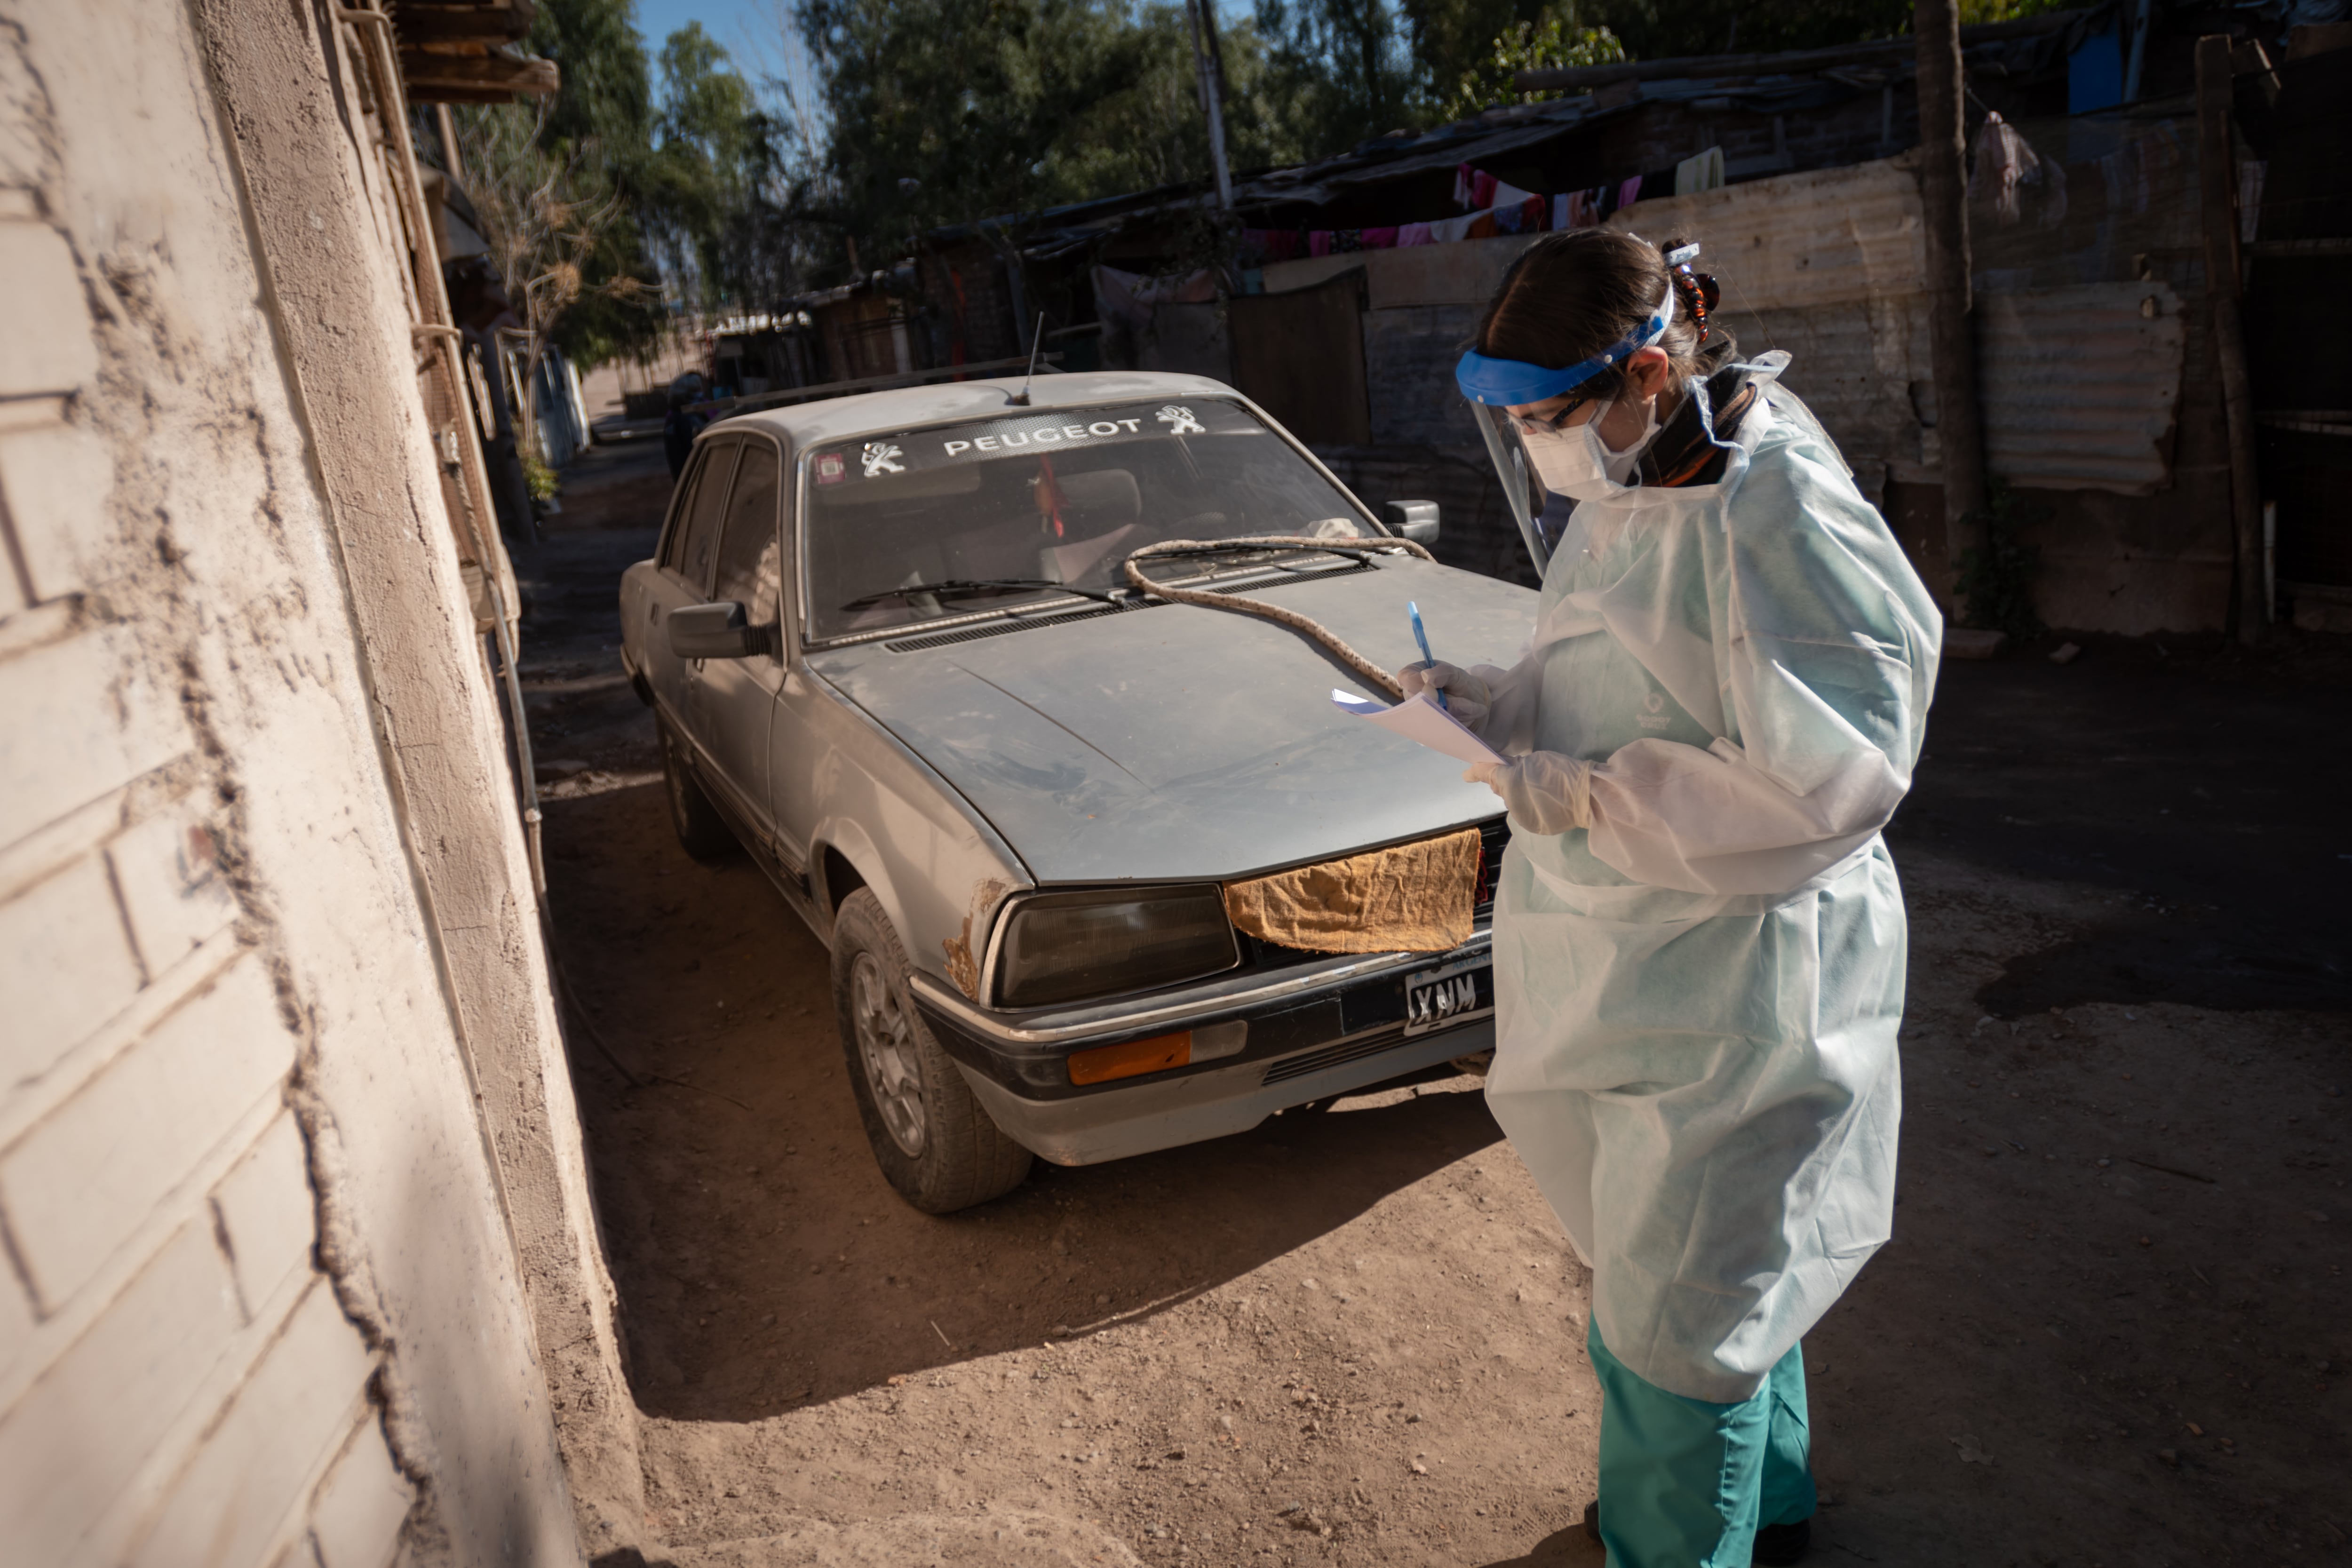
(990, 510)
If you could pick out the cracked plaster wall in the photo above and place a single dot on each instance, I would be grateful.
(298, 1259)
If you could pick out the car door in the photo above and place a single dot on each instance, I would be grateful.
(683, 576)
(731, 702)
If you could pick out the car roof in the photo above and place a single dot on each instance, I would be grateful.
(806, 425)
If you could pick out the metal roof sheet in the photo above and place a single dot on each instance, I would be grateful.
(2082, 385)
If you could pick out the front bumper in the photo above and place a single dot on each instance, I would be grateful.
(1320, 1028)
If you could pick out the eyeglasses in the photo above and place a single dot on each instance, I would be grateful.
(1545, 426)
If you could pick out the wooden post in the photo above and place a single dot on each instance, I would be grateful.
(1208, 63)
(2217, 179)
(1943, 195)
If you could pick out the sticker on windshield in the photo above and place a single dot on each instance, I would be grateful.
(1046, 431)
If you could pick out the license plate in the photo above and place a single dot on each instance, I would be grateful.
(1438, 997)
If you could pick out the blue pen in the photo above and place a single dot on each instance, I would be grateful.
(1421, 638)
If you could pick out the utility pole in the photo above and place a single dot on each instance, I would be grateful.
(1208, 58)
(1943, 194)
(2217, 178)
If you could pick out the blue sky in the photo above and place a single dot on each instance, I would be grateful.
(736, 23)
(729, 21)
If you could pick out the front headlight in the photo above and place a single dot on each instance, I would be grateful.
(1062, 947)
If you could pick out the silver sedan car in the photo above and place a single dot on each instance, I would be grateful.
(894, 659)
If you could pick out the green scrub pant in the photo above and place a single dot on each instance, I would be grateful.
(1684, 1482)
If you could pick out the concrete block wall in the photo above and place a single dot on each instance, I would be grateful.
(262, 1299)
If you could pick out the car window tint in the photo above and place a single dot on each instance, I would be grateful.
(747, 549)
(673, 544)
(698, 539)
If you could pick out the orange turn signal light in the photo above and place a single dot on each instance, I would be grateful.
(1132, 1057)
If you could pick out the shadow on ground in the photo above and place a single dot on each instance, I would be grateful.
(742, 1192)
(2181, 781)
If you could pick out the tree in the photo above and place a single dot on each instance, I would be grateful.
(606, 103)
(773, 242)
(952, 111)
(1554, 40)
(542, 219)
(1452, 38)
(695, 182)
(1342, 71)
(1665, 29)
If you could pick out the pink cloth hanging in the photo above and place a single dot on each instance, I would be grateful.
(1415, 233)
(1628, 192)
(1482, 188)
(1318, 242)
(1379, 239)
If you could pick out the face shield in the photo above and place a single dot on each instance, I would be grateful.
(1495, 386)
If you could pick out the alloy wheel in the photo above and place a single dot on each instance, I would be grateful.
(885, 1048)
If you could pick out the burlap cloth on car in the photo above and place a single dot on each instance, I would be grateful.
(1413, 898)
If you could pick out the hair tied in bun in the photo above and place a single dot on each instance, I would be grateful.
(1699, 291)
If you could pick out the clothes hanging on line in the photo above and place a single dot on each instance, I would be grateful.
(1505, 209)
(1701, 173)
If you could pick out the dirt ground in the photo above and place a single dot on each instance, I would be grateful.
(2111, 1329)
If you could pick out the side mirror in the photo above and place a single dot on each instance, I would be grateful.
(1416, 519)
(715, 631)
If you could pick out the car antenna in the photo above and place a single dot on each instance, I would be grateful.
(1021, 398)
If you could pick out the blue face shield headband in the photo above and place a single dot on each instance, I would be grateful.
(1512, 383)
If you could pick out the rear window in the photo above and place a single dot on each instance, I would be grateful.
(1055, 496)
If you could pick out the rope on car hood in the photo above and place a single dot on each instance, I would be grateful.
(1371, 675)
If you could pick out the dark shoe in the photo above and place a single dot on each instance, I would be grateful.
(1593, 1519)
(1777, 1546)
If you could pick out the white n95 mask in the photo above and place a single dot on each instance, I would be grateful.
(1578, 464)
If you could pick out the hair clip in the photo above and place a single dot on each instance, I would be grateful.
(1699, 291)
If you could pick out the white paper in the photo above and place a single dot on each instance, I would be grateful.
(1423, 721)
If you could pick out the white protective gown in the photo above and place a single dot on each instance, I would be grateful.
(1698, 996)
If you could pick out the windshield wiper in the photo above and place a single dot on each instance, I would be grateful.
(963, 587)
(1244, 546)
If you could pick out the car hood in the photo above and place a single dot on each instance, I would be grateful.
(1180, 742)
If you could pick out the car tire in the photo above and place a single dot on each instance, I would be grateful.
(701, 831)
(933, 1140)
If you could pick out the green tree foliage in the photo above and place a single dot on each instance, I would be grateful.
(601, 124)
(783, 237)
(1343, 71)
(1553, 40)
(607, 92)
(946, 111)
(696, 178)
(937, 112)
(1974, 12)
(545, 215)
(1449, 38)
(1665, 29)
